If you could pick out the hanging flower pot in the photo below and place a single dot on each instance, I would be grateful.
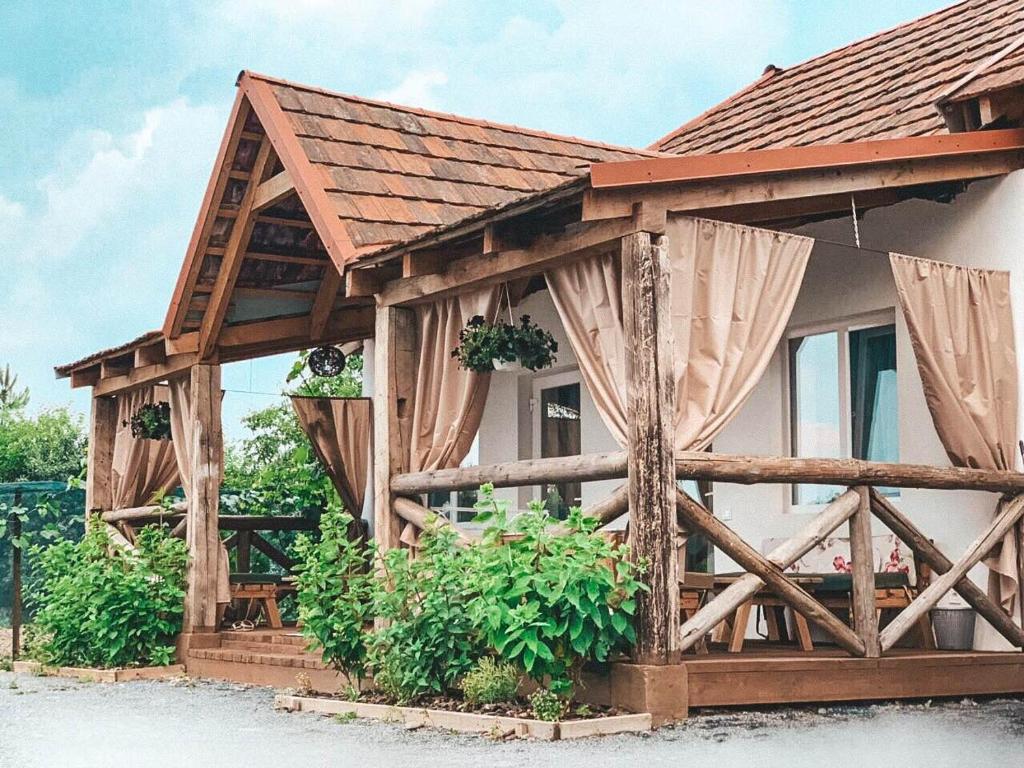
(152, 422)
(485, 347)
(327, 361)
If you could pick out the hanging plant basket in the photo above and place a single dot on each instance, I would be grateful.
(485, 347)
(152, 422)
(327, 361)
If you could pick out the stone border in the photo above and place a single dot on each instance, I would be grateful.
(468, 722)
(100, 675)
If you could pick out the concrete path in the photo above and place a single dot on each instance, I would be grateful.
(50, 722)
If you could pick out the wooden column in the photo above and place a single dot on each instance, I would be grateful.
(102, 427)
(394, 375)
(865, 617)
(650, 411)
(206, 455)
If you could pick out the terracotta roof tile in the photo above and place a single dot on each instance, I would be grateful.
(884, 86)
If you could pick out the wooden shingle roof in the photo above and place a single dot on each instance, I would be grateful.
(882, 87)
(393, 172)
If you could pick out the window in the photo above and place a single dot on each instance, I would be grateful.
(560, 435)
(457, 506)
(842, 398)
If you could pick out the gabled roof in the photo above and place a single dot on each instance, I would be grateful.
(882, 87)
(353, 174)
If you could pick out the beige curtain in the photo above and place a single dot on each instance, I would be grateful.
(341, 432)
(733, 288)
(587, 295)
(141, 470)
(448, 402)
(961, 329)
(180, 391)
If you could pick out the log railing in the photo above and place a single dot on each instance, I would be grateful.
(855, 507)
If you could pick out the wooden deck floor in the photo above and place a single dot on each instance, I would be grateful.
(775, 675)
(761, 675)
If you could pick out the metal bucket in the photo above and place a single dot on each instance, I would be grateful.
(954, 628)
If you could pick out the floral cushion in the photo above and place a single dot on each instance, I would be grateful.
(833, 556)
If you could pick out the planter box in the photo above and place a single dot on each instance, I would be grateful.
(100, 675)
(468, 722)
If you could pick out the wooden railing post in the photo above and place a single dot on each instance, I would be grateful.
(102, 427)
(650, 412)
(202, 532)
(394, 380)
(865, 618)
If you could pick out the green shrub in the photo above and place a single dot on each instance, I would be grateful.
(549, 601)
(547, 705)
(100, 605)
(335, 593)
(490, 682)
(429, 640)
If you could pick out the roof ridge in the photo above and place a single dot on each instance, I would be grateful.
(449, 116)
(808, 63)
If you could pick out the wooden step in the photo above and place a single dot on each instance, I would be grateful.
(298, 660)
(261, 647)
(278, 638)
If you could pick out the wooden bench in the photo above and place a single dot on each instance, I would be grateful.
(261, 589)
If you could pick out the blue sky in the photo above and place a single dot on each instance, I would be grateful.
(112, 112)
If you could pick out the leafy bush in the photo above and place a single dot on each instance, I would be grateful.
(152, 421)
(548, 601)
(547, 705)
(335, 593)
(103, 606)
(490, 682)
(481, 343)
(429, 640)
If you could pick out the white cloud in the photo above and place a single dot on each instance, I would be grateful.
(417, 89)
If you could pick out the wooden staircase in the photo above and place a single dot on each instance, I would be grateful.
(265, 657)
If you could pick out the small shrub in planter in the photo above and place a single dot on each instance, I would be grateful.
(334, 588)
(99, 605)
(490, 682)
(152, 422)
(430, 640)
(547, 705)
(549, 602)
(484, 345)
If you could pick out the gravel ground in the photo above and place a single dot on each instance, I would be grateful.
(55, 722)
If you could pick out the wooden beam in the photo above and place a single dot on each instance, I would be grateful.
(750, 560)
(926, 600)
(783, 556)
(206, 456)
(85, 377)
(650, 408)
(362, 282)
(231, 264)
(575, 241)
(922, 546)
(865, 618)
(244, 341)
(138, 377)
(273, 190)
(187, 342)
(749, 470)
(394, 378)
(275, 554)
(308, 180)
(714, 193)
(98, 478)
(323, 305)
(420, 516)
(207, 215)
(280, 258)
(154, 354)
(594, 466)
(113, 367)
(425, 262)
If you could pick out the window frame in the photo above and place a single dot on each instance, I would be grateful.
(842, 327)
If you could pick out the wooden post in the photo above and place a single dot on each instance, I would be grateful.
(202, 535)
(243, 552)
(650, 412)
(394, 372)
(865, 619)
(102, 427)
